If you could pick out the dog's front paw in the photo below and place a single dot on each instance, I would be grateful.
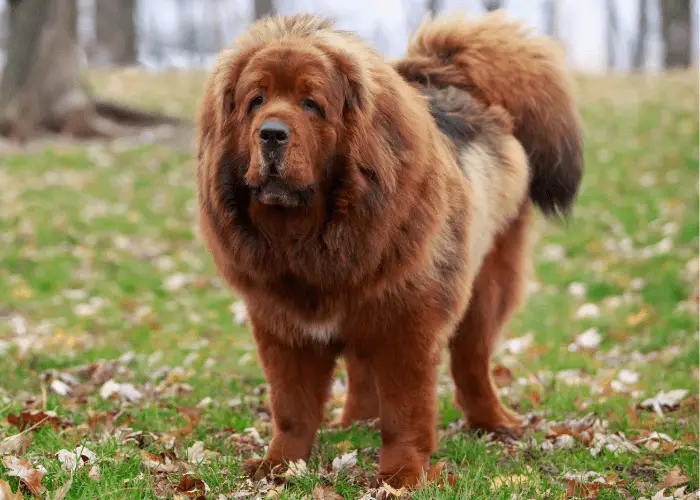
(258, 469)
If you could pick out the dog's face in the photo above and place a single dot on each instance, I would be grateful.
(287, 109)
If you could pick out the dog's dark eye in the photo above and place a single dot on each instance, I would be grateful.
(255, 103)
(313, 107)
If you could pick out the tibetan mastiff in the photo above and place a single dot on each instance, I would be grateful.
(379, 211)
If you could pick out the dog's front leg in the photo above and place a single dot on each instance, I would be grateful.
(299, 377)
(404, 366)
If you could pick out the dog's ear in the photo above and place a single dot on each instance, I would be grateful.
(224, 81)
(355, 84)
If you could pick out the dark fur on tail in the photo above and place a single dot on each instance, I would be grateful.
(499, 63)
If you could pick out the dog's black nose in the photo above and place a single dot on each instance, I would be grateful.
(274, 133)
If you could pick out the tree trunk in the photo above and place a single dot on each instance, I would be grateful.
(434, 6)
(264, 8)
(639, 56)
(70, 18)
(115, 32)
(677, 34)
(551, 15)
(612, 33)
(491, 5)
(41, 86)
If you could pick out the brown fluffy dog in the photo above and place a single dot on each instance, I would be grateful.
(380, 212)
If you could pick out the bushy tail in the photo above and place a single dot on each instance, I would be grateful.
(500, 63)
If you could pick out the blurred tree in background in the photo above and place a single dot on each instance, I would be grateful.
(491, 5)
(41, 87)
(677, 33)
(264, 8)
(45, 42)
(115, 31)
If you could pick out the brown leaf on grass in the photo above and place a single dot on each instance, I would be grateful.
(638, 317)
(95, 474)
(160, 463)
(326, 493)
(198, 454)
(25, 471)
(192, 487)
(34, 418)
(502, 376)
(534, 397)
(668, 401)
(62, 492)
(72, 460)
(388, 491)
(678, 494)
(14, 445)
(675, 478)
(6, 492)
(344, 446)
(190, 414)
(508, 482)
(245, 444)
(588, 484)
(438, 474)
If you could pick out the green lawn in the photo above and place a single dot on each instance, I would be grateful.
(104, 282)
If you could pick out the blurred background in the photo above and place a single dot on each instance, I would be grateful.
(600, 35)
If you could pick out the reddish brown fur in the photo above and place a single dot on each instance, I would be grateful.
(403, 211)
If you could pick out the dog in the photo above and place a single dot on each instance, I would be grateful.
(380, 211)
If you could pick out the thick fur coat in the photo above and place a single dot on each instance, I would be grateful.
(379, 211)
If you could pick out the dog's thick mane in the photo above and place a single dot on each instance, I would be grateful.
(378, 217)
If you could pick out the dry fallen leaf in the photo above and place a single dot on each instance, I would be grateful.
(344, 462)
(159, 463)
(95, 473)
(679, 494)
(326, 493)
(61, 493)
(124, 391)
(675, 478)
(296, 469)
(25, 471)
(192, 487)
(389, 490)
(14, 445)
(72, 460)
(586, 341)
(502, 376)
(198, 454)
(34, 418)
(664, 400)
(6, 492)
(508, 482)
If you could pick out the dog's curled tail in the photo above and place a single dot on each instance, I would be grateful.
(499, 62)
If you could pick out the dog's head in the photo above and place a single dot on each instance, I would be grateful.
(280, 100)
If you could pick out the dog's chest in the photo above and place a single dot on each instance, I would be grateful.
(323, 331)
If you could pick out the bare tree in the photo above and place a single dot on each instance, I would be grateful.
(115, 31)
(41, 87)
(612, 30)
(551, 16)
(677, 33)
(491, 5)
(434, 6)
(71, 18)
(264, 8)
(639, 54)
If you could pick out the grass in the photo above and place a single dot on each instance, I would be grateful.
(101, 257)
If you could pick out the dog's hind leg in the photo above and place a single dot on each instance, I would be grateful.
(362, 402)
(497, 291)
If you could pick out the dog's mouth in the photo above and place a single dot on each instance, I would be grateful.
(277, 193)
